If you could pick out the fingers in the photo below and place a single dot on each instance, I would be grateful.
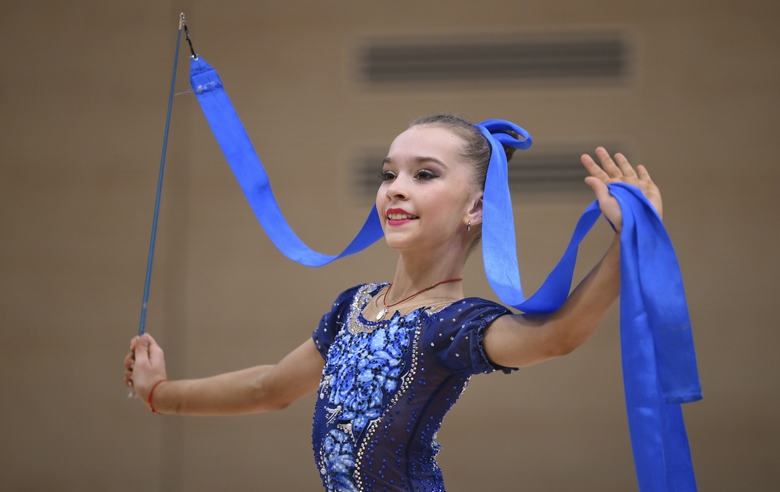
(149, 360)
(624, 166)
(139, 358)
(608, 164)
(129, 360)
(611, 170)
(607, 203)
(599, 188)
(594, 169)
(144, 365)
(642, 172)
(156, 356)
(130, 363)
(144, 348)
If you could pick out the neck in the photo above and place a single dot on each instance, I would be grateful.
(418, 270)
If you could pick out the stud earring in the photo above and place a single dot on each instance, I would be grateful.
(468, 227)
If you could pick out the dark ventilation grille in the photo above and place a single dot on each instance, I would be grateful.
(368, 169)
(548, 170)
(591, 57)
(541, 170)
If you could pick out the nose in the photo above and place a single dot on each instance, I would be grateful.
(396, 189)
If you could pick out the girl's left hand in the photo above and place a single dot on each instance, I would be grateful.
(618, 171)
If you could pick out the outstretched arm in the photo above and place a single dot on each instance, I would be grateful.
(522, 340)
(256, 389)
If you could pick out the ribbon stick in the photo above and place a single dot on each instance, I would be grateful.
(659, 362)
(147, 283)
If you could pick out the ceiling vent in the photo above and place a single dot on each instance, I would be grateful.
(543, 58)
(538, 170)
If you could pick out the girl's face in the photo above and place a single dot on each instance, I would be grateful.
(428, 194)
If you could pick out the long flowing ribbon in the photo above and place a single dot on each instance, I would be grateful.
(252, 178)
(659, 363)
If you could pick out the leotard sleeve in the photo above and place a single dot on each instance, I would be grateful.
(456, 332)
(333, 321)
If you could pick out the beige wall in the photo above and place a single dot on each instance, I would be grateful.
(83, 89)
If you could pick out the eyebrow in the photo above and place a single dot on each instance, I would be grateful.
(417, 159)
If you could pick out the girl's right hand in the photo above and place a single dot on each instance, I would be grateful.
(144, 366)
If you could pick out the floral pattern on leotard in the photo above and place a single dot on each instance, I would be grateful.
(386, 387)
(362, 369)
(339, 458)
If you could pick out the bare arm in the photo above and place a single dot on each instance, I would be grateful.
(522, 340)
(256, 389)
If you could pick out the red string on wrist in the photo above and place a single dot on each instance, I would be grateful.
(149, 400)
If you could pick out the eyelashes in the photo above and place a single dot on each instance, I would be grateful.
(421, 175)
(386, 176)
(425, 175)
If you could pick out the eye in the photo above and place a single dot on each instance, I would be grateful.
(425, 175)
(387, 175)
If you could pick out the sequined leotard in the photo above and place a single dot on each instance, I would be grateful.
(386, 386)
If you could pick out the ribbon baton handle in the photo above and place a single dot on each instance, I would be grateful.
(150, 262)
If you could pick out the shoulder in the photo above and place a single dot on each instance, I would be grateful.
(474, 306)
(464, 312)
(454, 334)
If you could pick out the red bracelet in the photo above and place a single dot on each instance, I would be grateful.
(149, 400)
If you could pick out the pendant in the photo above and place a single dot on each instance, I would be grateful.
(381, 314)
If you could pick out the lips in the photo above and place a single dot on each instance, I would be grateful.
(399, 216)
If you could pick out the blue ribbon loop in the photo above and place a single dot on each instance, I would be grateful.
(659, 362)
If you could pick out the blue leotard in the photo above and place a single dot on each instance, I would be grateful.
(386, 387)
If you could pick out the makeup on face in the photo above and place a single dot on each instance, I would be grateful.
(399, 216)
(425, 189)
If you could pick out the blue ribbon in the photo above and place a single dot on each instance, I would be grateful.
(251, 176)
(659, 362)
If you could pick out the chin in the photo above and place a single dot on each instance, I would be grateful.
(396, 242)
(399, 241)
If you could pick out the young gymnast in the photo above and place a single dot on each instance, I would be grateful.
(389, 360)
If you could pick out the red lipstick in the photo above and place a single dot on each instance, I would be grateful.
(401, 216)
